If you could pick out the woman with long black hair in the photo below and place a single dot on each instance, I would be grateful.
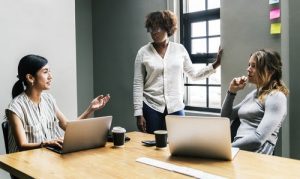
(35, 119)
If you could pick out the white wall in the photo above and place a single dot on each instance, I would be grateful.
(46, 28)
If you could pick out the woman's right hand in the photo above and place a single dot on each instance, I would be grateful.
(99, 102)
(53, 143)
(237, 84)
(141, 123)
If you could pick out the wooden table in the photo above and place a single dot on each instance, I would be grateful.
(110, 162)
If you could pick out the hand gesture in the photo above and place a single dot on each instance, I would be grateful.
(99, 102)
(237, 84)
(217, 63)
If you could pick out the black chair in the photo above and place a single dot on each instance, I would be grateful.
(234, 127)
(5, 126)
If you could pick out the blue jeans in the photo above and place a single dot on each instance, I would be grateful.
(156, 120)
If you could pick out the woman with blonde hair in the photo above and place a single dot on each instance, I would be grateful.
(264, 109)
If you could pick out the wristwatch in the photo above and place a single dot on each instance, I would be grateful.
(231, 93)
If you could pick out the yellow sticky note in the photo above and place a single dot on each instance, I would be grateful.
(275, 28)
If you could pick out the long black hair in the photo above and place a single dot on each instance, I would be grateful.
(29, 64)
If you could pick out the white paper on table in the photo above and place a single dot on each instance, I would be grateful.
(179, 169)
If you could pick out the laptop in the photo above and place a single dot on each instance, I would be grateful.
(85, 134)
(196, 136)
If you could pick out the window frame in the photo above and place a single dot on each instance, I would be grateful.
(186, 20)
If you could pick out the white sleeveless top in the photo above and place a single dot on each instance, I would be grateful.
(39, 121)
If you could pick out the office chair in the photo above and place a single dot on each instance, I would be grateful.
(234, 127)
(5, 126)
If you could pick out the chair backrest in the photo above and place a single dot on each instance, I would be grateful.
(5, 126)
(234, 127)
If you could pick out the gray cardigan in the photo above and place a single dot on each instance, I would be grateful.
(260, 123)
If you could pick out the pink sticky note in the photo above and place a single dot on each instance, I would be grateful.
(274, 13)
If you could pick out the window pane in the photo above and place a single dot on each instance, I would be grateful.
(214, 27)
(196, 5)
(215, 78)
(212, 4)
(197, 96)
(199, 29)
(215, 97)
(198, 67)
(214, 44)
(199, 46)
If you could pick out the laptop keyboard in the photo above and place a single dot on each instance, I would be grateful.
(55, 149)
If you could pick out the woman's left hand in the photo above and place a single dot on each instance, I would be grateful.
(99, 102)
(217, 63)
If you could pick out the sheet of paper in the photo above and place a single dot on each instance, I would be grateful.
(179, 169)
(275, 28)
(274, 13)
(273, 1)
(234, 151)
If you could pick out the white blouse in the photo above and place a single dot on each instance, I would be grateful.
(39, 121)
(159, 81)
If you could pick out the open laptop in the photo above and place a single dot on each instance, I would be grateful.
(196, 136)
(85, 134)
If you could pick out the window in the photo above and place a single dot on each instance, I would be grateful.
(200, 34)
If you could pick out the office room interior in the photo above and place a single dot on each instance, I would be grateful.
(91, 46)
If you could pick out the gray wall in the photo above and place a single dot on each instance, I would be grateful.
(294, 73)
(41, 27)
(118, 33)
(285, 57)
(245, 28)
(84, 53)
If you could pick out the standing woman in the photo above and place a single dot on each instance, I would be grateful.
(264, 109)
(158, 75)
(34, 118)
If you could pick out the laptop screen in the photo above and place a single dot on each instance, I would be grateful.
(90, 132)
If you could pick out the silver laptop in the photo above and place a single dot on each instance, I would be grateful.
(85, 134)
(196, 136)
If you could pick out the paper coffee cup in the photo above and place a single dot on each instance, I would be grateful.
(161, 138)
(118, 136)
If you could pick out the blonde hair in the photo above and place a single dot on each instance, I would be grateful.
(269, 73)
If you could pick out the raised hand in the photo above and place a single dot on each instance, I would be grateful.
(99, 102)
(217, 63)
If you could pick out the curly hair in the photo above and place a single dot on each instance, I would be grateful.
(164, 19)
(269, 71)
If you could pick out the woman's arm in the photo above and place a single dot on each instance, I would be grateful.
(138, 85)
(227, 107)
(138, 89)
(205, 72)
(235, 85)
(20, 137)
(96, 104)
